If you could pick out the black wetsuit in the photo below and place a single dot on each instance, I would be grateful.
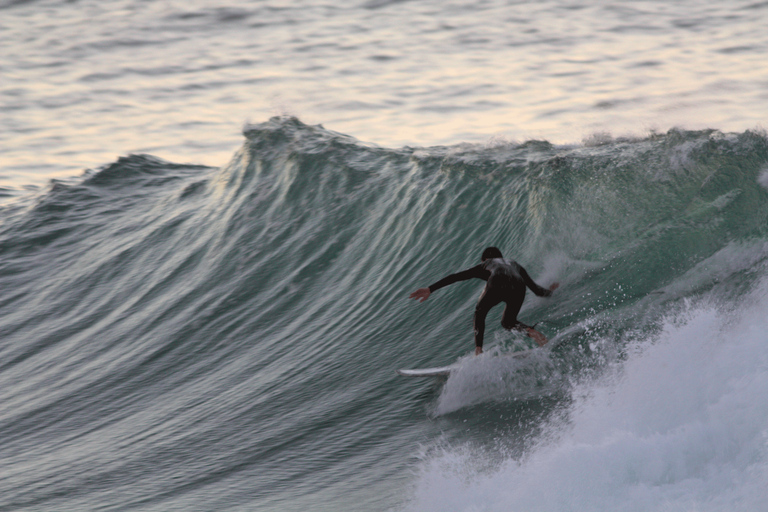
(506, 282)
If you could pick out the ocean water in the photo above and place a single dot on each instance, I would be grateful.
(213, 215)
(83, 82)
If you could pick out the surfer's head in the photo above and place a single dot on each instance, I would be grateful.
(490, 253)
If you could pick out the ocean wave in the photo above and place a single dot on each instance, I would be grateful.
(169, 332)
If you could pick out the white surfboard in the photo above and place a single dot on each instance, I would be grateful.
(444, 371)
(428, 372)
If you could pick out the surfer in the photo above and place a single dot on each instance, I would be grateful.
(506, 282)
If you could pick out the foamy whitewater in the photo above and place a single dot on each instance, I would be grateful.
(199, 312)
(679, 425)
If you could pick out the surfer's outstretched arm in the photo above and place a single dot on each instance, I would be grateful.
(478, 272)
(535, 288)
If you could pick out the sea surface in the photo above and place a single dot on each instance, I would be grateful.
(212, 215)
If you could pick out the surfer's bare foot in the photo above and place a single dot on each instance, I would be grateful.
(537, 336)
(478, 351)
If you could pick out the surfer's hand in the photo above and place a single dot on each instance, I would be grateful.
(478, 351)
(421, 294)
(554, 286)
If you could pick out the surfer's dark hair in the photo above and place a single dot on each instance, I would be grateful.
(490, 253)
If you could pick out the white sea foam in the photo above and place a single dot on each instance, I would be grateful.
(498, 376)
(763, 178)
(681, 425)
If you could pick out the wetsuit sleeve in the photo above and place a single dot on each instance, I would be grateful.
(538, 290)
(475, 272)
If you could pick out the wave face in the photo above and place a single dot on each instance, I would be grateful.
(178, 337)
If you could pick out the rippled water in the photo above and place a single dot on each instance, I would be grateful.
(84, 82)
(214, 321)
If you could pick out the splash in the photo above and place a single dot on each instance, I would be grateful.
(681, 425)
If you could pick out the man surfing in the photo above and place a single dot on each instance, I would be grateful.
(506, 282)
